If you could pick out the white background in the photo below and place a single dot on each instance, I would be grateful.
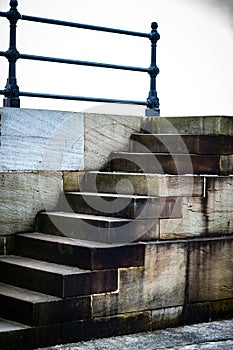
(195, 53)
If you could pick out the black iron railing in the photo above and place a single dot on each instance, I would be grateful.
(12, 92)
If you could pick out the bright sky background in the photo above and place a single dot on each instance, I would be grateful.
(195, 53)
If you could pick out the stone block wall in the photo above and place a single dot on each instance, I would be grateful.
(37, 146)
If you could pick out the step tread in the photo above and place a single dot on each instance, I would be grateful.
(151, 154)
(182, 135)
(41, 265)
(9, 326)
(25, 294)
(109, 195)
(85, 216)
(67, 240)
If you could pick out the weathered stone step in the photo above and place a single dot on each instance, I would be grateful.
(93, 228)
(53, 279)
(122, 206)
(171, 164)
(82, 254)
(135, 183)
(197, 125)
(171, 143)
(36, 309)
(14, 336)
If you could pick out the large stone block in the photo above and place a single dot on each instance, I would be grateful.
(219, 204)
(193, 222)
(210, 270)
(105, 134)
(207, 125)
(41, 140)
(160, 284)
(167, 317)
(138, 184)
(23, 194)
(100, 327)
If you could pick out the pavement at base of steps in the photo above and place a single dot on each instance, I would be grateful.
(204, 336)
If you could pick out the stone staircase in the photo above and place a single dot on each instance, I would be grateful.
(102, 227)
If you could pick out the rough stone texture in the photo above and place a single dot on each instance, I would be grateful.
(41, 140)
(205, 336)
(210, 270)
(138, 184)
(206, 125)
(105, 134)
(107, 326)
(143, 289)
(174, 143)
(226, 164)
(72, 180)
(23, 194)
(166, 317)
(192, 224)
(219, 204)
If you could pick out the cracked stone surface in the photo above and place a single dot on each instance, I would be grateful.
(206, 336)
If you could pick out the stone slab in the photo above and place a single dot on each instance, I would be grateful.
(122, 206)
(193, 222)
(210, 270)
(101, 229)
(161, 283)
(206, 125)
(41, 140)
(174, 164)
(193, 144)
(131, 183)
(105, 134)
(54, 279)
(33, 308)
(107, 326)
(82, 254)
(23, 194)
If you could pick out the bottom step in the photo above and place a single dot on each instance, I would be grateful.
(14, 336)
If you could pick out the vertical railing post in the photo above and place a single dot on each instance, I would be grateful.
(11, 89)
(153, 101)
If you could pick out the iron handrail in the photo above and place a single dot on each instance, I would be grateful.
(12, 93)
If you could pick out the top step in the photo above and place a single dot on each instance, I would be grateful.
(206, 125)
(171, 143)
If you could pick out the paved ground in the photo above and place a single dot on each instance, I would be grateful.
(205, 336)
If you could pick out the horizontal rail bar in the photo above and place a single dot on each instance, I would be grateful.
(84, 26)
(82, 63)
(78, 62)
(3, 14)
(77, 98)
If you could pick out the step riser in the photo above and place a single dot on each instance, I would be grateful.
(207, 125)
(137, 184)
(58, 285)
(93, 230)
(147, 208)
(195, 144)
(82, 257)
(38, 314)
(177, 164)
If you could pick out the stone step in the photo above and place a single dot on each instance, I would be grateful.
(197, 125)
(36, 309)
(14, 336)
(82, 254)
(171, 164)
(122, 206)
(135, 183)
(171, 143)
(54, 279)
(94, 228)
